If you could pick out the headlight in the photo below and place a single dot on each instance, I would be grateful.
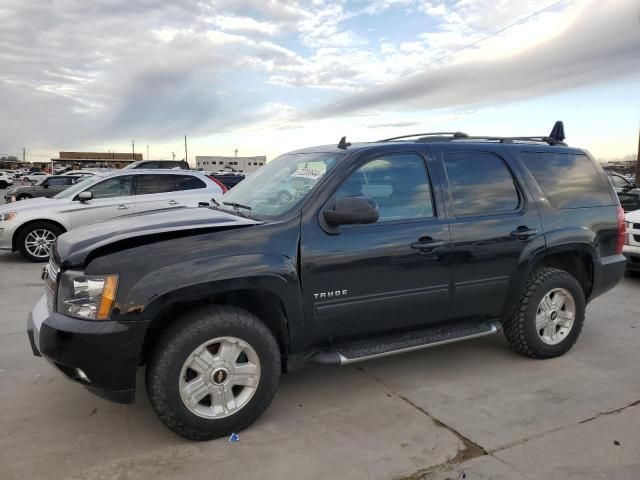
(89, 297)
(7, 217)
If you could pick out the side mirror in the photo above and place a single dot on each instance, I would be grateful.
(85, 196)
(351, 210)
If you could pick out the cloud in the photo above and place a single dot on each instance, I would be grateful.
(601, 45)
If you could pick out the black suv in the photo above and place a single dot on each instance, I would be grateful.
(381, 248)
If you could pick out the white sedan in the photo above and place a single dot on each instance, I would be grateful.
(34, 176)
(31, 226)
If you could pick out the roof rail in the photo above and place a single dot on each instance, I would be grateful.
(430, 134)
(556, 137)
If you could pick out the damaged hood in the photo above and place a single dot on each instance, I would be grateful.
(73, 247)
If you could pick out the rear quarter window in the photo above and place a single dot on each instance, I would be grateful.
(568, 180)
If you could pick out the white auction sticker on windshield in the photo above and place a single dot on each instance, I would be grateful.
(307, 173)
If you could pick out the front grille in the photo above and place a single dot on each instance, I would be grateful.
(51, 284)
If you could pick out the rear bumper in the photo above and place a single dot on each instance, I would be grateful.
(608, 274)
(103, 356)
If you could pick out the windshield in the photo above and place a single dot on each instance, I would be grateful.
(281, 184)
(79, 186)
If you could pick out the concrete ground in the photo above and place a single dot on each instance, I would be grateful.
(472, 410)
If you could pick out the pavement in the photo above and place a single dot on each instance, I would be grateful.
(472, 410)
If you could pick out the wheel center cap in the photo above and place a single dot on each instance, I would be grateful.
(553, 315)
(220, 376)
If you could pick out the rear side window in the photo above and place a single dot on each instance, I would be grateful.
(568, 180)
(480, 184)
(58, 181)
(148, 184)
(188, 182)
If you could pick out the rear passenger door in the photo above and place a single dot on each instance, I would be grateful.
(493, 220)
(154, 192)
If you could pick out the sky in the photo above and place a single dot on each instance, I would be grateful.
(266, 77)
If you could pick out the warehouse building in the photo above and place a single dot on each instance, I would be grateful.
(82, 160)
(240, 164)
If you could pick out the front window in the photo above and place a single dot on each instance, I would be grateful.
(281, 184)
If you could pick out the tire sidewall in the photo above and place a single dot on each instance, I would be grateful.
(164, 389)
(23, 235)
(561, 280)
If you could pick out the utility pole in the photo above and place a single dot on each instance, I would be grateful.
(186, 156)
(147, 152)
(236, 152)
(133, 149)
(24, 154)
(173, 154)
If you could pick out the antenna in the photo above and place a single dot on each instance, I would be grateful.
(557, 132)
(343, 144)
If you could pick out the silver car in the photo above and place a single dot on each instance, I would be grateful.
(31, 226)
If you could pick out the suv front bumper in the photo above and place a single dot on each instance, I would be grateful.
(103, 356)
(632, 254)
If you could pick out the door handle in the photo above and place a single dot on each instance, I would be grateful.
(427, 243)
(173, 202)
(122, 207)
(522, 233)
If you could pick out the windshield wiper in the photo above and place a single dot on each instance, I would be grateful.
(237, 206)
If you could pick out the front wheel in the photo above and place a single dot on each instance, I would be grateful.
(36, 239)
(213, 372)
(550, 316)
(23, 196)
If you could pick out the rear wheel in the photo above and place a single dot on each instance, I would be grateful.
(213, 372)
(3, 184)
(23, 196)
(550, 317)
(35, 240)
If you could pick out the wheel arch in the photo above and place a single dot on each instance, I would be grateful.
(20, 229)
(265, 304)
(578, 259)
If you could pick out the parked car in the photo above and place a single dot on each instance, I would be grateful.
(31, 227)
(47, 187)
(5, 180)
(34, 176)
(398, 245)
(627, 191)
(229, 179)
(162, 164)
(631, 248)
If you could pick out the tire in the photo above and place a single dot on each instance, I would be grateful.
(631, 274)
(23, 196)
(521, 329)
(3, 184)
(167, 372)
(45, 230)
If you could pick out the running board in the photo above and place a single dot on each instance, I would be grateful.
(406, 342)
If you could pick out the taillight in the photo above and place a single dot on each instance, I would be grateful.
(622, 231)
(220, 184)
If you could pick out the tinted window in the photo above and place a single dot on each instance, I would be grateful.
(188, 182)
(568, 180)
(147, 184)
(112, 187)
(58, 181)
(480, 184)
(618, 182)
(398, 183)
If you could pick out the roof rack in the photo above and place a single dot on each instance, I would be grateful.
(556, 137)
(439, 134)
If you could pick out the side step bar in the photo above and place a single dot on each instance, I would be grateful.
(406, 342)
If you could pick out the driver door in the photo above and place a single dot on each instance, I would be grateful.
(113, 197)
(385, 276)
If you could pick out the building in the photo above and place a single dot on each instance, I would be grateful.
(82, 160)
(240, 164)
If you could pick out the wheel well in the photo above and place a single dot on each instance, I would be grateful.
(264, 305)
(577, 263)
(16, 234)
